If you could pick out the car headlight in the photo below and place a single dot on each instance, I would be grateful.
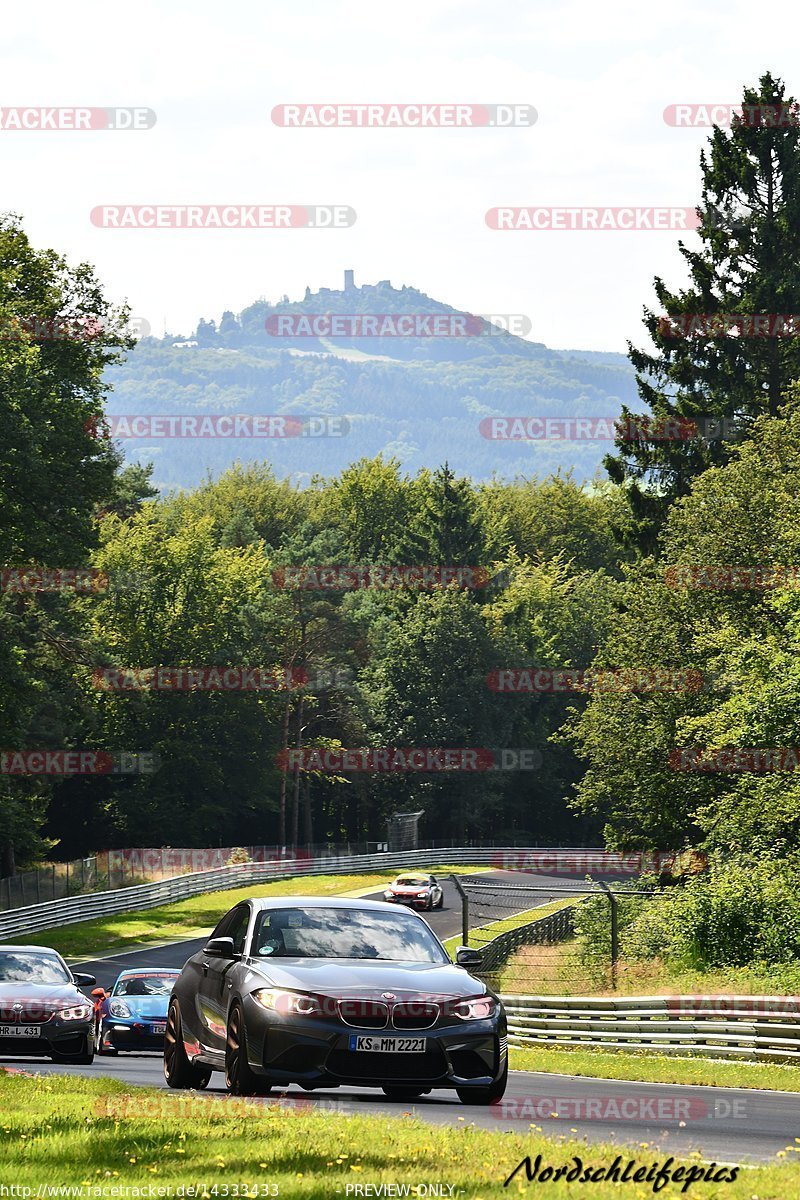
(388, 895)
(476, 1009)
(289, 1004)
(118, 1008)
(81, 1012)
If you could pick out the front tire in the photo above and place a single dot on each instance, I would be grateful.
(240, 1078)
(441, 901)
(486, 1095)
(178, 1071)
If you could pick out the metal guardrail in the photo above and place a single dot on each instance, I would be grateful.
(755, 1027)
(54, 914)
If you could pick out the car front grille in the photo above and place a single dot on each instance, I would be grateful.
(33, 1014)
(364, 1014)
(415, 1015)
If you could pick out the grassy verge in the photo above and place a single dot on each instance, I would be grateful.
(558, 970)
(72, 1132)
(190, 918)
(487, 932)
(656, 1068)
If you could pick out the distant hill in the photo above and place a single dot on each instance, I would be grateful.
(420, 398)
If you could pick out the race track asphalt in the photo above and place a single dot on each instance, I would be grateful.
(723, 1124)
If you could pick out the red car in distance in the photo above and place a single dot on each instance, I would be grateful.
(417, 888)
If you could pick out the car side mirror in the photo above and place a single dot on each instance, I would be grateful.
(83, 980)
(99, 994)
(220, 947)
(467, 957)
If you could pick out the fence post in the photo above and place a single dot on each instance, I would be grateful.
(612, 899)
(464, 911)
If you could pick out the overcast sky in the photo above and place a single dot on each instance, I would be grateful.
(599, 75)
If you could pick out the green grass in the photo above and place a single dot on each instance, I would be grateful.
(656, 1068)
(558, 970)
(492, 930)
(70, 1131)
(191, 918)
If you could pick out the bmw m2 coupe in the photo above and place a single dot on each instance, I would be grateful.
(328, 992)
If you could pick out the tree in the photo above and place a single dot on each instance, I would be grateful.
(57, 336)
(449, 527)
(747, 264)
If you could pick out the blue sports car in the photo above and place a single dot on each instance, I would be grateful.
(133, 1015)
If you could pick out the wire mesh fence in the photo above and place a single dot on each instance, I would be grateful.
(569, 940)
(122, 868)
(51, 882)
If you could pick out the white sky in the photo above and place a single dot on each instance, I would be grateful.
(599, 75)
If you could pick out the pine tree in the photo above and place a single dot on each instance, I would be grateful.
(712, 385)
(448, 529)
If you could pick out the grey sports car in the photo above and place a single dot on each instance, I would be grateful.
(323, 992)
(42, 1013)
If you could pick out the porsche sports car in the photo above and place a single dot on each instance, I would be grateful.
(416, 888)
(42, 1013)
(133, 1015)
(327, 991)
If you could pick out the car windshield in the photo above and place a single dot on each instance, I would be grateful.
(144, 985)
(344, 933)
(26, 966)
(412, 881)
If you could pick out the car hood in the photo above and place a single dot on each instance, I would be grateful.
(347, 978)
(408, 890)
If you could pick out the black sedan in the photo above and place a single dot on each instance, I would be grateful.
(42, 1013)
(324, 992)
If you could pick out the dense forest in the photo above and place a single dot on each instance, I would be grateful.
(631, 641)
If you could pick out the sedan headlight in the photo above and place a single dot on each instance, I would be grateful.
(289, 1004)
(388, 895)
(476, 1009)
(118, 1008)
(81, 1012)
